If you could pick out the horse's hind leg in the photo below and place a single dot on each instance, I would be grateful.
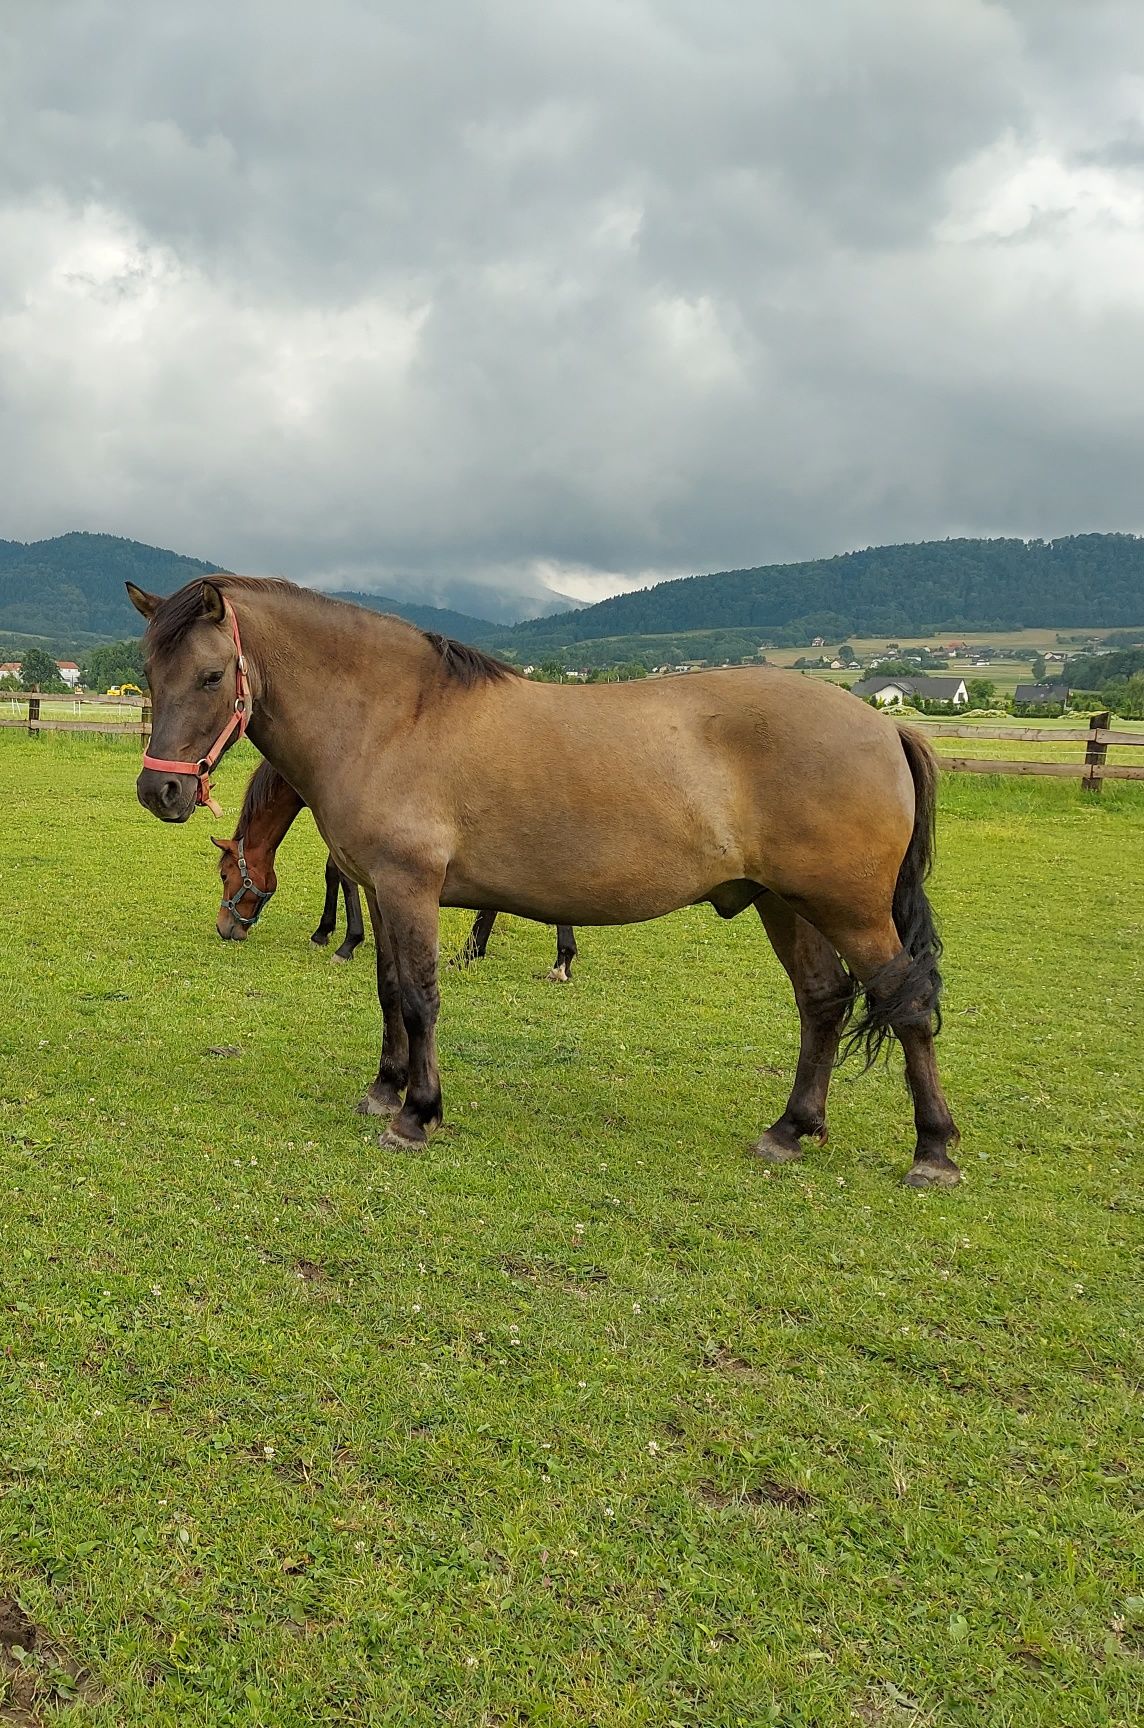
(566, 952)
(328, 921)
(901, 997)
(824, 992)
(355, 929)
(476, 941)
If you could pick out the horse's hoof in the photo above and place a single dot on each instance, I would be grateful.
(388, 1141)
(558, 975)
(932, 1176)
(383, 1102)
(772, 1151)
(318, 939)
(338, 955)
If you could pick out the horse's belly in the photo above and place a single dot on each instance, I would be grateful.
(622, 893)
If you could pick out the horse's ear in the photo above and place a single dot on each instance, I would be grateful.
(223, 845)
(147, 604)
(214, 607)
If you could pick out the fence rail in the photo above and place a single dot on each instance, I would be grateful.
(34, 720)
(1094, 770)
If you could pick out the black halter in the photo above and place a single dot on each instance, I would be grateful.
(261, 895)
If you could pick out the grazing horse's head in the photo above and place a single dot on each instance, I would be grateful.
(194, 674)
(247, 884)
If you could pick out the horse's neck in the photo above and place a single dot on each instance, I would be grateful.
(317, 668)
(268, 827)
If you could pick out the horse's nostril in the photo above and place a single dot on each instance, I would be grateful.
(171, 792)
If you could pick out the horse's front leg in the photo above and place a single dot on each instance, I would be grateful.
(411, 918)
(328, 921)
(384, 1096)
(476, 941)
(355, 929)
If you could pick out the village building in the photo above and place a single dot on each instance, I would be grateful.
(893, 692)
(1040, 695)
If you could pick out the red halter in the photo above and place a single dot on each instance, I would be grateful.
(239, 720)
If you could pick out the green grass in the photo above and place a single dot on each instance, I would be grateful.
(583, 1417)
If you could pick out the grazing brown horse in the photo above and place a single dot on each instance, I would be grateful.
(247, 866)
(438, 777)
(249, 879)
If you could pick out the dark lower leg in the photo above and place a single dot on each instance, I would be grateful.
(355, 929)
(411, 917)
(822, 990)
(937, 1131)
(384, 1096)
(477, 940)
(329, 916)
(566, 952)
(876, 956)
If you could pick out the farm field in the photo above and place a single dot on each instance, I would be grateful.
(583, 1417)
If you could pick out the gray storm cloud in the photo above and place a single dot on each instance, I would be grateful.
(486, 298)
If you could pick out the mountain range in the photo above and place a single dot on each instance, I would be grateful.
(69, 591)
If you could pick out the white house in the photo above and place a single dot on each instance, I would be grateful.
(69, 672)
(892, 692)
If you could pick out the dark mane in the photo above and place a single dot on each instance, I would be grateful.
(468, 665)
(261, 790)
(179, 611)
(175, 615)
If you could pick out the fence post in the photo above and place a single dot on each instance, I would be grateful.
(33, 714)
(145, 722)
(1096, 753)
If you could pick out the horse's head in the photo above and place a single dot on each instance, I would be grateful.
(247, 884)
(199, 694)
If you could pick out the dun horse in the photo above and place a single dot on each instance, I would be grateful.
(249, 879)
(438, 777)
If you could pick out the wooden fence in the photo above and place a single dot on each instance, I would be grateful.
(34, 720)
(1096, 738)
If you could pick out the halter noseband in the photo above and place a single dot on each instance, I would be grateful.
(249, 886)
(239, 721)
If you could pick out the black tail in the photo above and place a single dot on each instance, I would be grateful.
(914, 992)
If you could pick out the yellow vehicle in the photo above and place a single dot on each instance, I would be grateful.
(124, 690)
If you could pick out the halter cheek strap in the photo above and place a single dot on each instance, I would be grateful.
(238, 722)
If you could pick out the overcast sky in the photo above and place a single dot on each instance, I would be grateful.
(443, 296)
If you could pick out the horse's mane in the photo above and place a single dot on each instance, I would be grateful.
(261, 791)
(175, 615)
(469, 665)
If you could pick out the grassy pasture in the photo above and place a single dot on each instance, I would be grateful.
(582, 1418)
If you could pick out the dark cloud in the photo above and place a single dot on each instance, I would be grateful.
(490, 296)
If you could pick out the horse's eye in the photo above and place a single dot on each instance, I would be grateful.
(212, 680)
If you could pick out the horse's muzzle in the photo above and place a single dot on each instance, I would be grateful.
(170, 797)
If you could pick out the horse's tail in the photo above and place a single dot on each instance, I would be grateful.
(914, 992)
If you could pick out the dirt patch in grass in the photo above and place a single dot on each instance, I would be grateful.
(38, 1676)
(764, 1493)
(723, 1360)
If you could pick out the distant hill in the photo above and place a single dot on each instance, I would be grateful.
(70, 590)
(72, 586)
(937, 585)
(443, 619)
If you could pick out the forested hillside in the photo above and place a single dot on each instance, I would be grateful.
(68, 590)
(464, 627)
(72, 586)
(938, 585)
